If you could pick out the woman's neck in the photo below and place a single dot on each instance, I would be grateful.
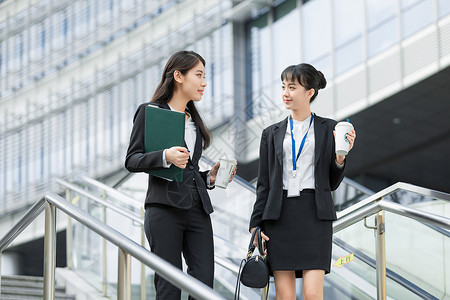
(178, 103)
(301, 114)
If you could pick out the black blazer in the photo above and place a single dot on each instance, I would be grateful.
(327, 175)
(172, 193)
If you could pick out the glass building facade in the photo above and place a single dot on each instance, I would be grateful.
(72, 73)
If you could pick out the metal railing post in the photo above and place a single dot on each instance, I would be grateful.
(380, 255)
(69, 234)
(143, 241)
(264, 291)
(105, 287)
(124, 276)
(49, 251)
(1, 253)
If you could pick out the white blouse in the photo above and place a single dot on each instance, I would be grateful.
(305, 163)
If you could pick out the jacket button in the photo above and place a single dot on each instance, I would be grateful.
(191, 167)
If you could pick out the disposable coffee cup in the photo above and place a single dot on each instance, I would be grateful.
(224, 173)
(342, 144)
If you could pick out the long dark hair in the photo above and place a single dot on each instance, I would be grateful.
(307, 76)
(181, 61)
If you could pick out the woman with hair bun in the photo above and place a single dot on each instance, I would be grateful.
(298, 169)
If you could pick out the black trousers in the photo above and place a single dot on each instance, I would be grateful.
(171, 232)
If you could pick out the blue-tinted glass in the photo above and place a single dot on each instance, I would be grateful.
(42, 39)
(41, 158)
(86, 14)
(349, 55)
(416, 16)
(20, 49)
(65, 25)
(378, 12)
(19, 168)
(316, 31)
(348, 20)
(444, 8)
(257, 69)
(286, 41)
(409, 3)
(382, 37)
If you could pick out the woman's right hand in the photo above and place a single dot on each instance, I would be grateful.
(255, 242)
(178, 156)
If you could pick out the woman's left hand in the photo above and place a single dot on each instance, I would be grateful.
(351, 137)
(213, 173)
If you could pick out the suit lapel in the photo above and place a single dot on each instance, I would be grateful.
(320, 131)
(278, 136)
(198, 144)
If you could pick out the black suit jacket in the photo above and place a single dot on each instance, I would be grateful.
(162, 191)
(327, 175)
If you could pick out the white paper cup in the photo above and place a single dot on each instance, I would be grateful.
(224, 173)
(342, 144)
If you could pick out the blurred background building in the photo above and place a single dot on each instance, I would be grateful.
(72, 74)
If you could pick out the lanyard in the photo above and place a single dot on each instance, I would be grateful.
(294, 158)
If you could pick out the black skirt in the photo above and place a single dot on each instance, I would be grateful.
(298, 239)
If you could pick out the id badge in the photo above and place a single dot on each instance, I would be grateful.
(293, 187)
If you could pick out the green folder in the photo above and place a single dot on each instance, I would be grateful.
(164, 128)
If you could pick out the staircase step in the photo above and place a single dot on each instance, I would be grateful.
(22, 297)
(28, 288)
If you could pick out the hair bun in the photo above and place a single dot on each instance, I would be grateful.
(322, 80)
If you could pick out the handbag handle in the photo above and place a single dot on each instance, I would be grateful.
(251, 246)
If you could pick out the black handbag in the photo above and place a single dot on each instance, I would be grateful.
(253, 271)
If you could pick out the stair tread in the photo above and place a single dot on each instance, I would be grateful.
(27, 291)
(22, 277)
(21, 297)
(15, 287)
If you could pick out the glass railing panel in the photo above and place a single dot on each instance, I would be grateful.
(359, 237)
(418, 253)
(88, 252)
(357, 279)
(87, 245)
(348, 193)
(414, 251)
(438, 207)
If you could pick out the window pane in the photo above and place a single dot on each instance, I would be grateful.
(416, 16)
(382, 37)
(378, 12)
(286, 40)
(348, 20)
(258, 69)
(316, 31)
(349, 55)
(444, 8)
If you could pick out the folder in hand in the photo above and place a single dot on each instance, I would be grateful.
(164, 128)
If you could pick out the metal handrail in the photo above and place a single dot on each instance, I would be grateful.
(163, 268)
(23, 223)
(391, 189)
(108, 190)
(100, 201)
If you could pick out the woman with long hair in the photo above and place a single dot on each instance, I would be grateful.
(177, 217)
(298, 169)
